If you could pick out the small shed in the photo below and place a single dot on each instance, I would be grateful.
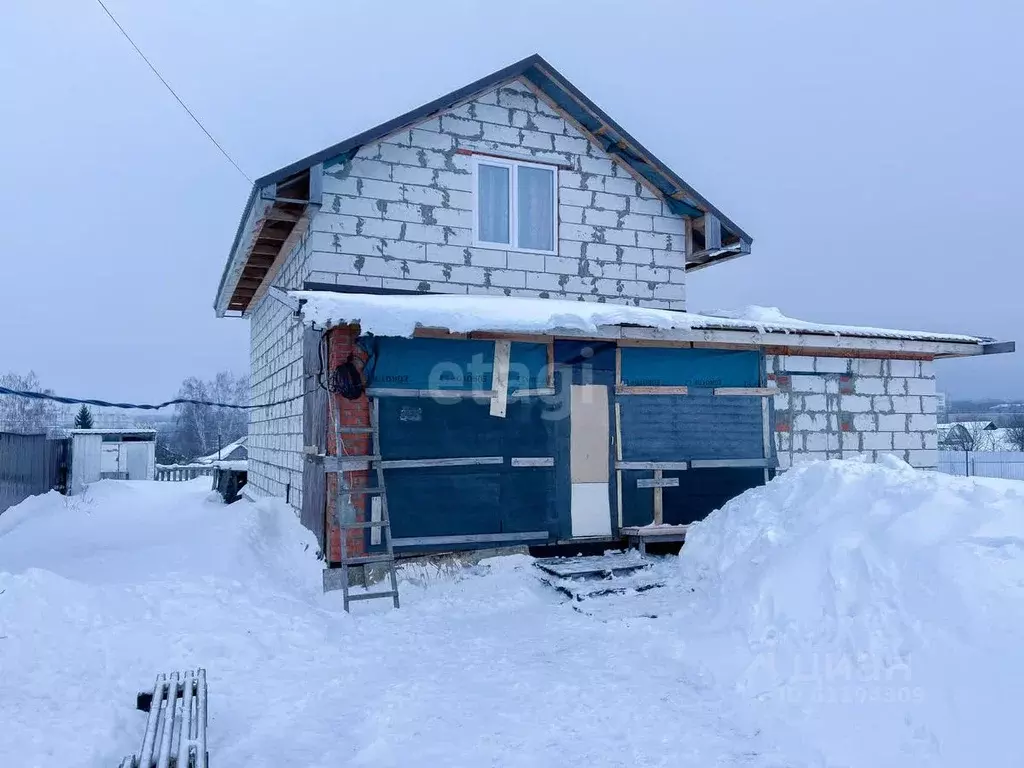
(117, 454)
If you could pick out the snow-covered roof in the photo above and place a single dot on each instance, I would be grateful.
(222, 453)
(114, 431)
(969, 425)
(236, 466)
(402, 315)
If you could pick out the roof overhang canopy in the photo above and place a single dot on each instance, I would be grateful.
(273, 221)
(412, 315)
(251, 261)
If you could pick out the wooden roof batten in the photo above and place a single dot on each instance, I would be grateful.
(272, 237)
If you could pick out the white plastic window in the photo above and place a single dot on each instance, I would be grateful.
(516, 205)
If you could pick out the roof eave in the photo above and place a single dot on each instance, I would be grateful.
(703, 203)
(220, 302)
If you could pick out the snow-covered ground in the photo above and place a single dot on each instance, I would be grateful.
(846, 614)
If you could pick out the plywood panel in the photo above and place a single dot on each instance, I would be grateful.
(589, 435)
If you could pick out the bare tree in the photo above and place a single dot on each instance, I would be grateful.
(201, 429)
(969, 436)
(1015, 433)
(28, 415)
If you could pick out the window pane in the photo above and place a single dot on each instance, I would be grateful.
(536, 200)
(492, 203)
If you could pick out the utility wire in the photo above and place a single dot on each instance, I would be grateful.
(136, 406)
(171, 90)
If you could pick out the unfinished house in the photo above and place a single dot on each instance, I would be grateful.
(472, 320)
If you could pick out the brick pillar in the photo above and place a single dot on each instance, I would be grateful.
(351, 413)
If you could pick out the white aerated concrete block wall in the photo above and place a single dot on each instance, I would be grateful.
(399, 215)
(275, 433)
(832, 407)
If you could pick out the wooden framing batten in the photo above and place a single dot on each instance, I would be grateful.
(773, 343)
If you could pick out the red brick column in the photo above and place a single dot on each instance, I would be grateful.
(350, 413)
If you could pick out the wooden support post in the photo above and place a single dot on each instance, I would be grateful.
(499, 378)
(618, 457)
(658, 499)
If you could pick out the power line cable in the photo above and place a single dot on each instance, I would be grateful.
(172, 92)
(137, 406)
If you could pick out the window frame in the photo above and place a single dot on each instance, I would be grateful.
(513, 166)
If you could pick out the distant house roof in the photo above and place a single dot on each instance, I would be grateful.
(115, 431)
(971, 425)
(971, 436)
(545, 79)
(225, 453)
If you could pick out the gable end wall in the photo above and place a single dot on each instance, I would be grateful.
(399, 214)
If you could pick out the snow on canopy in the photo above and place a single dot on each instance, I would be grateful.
(402, 315)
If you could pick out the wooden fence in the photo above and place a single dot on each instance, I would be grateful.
(180, 472)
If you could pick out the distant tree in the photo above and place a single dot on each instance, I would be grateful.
(969, 436)
(202, 429)
(1015, 433)
(83, 419)
(28, 415)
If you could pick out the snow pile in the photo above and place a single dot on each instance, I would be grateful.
(878, 609)
(844, 615)
(401, 315)
(482, 665)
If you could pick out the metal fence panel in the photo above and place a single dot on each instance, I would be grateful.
(1008, 465)
(29, 464)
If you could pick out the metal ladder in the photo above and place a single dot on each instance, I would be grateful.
(384, 524)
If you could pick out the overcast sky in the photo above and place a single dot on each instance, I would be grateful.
(872, 149)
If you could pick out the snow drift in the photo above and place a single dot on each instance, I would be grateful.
(846, 614)
(481, 666)
(877, 608)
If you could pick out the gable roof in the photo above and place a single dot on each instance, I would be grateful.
(681, 198)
